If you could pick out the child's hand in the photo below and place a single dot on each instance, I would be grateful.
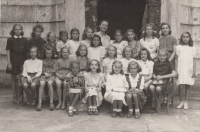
(159, 77)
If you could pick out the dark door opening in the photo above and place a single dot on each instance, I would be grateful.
(122, 14)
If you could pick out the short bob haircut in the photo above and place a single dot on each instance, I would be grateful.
(72, 63)
(48, 48)
(12, 32)
(134, 63)
(115, 62)
(147, 51)
(34, 29)
(96, 36)
(78, 50)
(61, 33)
(123, 53)
(190, 41)
(84, 36)
(115, 55)
(48, 35)
(73, 30)
(131, 30)
(119, 31)
(99, 67)
(164, 23)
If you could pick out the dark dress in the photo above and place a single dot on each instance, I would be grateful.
(18, 50)
(37, 43)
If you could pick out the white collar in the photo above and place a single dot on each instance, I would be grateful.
(136, 78)
(15, 36)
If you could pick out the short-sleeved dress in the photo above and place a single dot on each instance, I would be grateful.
(93, 82)
(96, 53)
(136, 46)
(60, 45)
(18, 49)
(48, 67)
(115, 81)
(185, 64)
(151, 46)
(120, 47)
(73, 46)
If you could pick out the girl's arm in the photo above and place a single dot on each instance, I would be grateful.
(149, 77)
(173, 74)
(154, 76)
(173, 54)
(194, 68)
(24, 73)
(142, 84)
(8, 59)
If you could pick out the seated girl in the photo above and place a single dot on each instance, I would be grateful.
(76, 83)
(93, 82)
(31, 72)
(135, 92)
(116, 87)
(47, 77)
(163, 69)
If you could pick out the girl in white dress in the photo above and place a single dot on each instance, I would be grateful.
(96, 51)
(186, 67)
(87, 36)
(94, 80)
(73, 43)
(110, 58)
(116, 88)
(119, 43)
(149, 41)
(127, 54)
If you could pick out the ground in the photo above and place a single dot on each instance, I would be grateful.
(27, 119)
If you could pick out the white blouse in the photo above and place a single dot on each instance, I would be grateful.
(116, 81)
(107, 62)
(147, 67)
(60, 45)
(120, 47)
(73, 46)
(32, 66)
(96, 53)
(135, 80)
(125, 63)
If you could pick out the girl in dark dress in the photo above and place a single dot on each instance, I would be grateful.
(16, 55)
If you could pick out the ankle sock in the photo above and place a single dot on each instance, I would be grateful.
(137, 110)
(131, 110)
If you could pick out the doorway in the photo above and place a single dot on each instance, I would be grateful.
(122, 14)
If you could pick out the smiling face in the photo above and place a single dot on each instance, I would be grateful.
(130, 36)
(149, 30)
(65, 53)
(165, 29)
(94, 66)
(144, 55)
(48, 54)
(162, 56)
(185, 38)
(89, 34)
(133, 69)
(33, 53)
(38, 32)
(18, 30)
(103, 26)
(75, 35)
(118, 37)
(128, 52)
(117, 67)
(52, 37)
(111, 51)
(96, 41)
(83, 51)
(75, 69)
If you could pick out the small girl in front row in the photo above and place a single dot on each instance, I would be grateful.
(47, 77)
(119, 43)
(135, 92)
(163, 70)
(87, 36)
(62, 68)
(76, 83)
(110, 58)
(186, 53)
(127, 57)
(116, 87)
(32, 70)
(94, 80)
(63, 37)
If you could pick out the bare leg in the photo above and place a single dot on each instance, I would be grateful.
(135, 98)
(50, 86)
(153, 93)
(181, 92)
(94, 100)
(129, 101)
(120, 104)
(59, 92)
(64, 94)
(33, 91)
(41, 91)
(71, 97)
(13, 87)
(115, 104)
(90, 101)
(27, 91)
(76, 97)
(187, 92)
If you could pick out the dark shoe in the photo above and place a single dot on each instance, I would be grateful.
(137, 115)
(75, 112)
(39, 107)
(28, 103)
(158, 109)
(130, 114)
(114, 114)
(90, 112)
(121, 114)
(96, 112)
(51, 108)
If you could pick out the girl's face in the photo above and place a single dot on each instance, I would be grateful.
(83, 51)
(48, 54)
(94, 66)
(186, 38)
(17, 30)
(104, 26)
(117, 67)
(128, 52)
(96, 41)
(38, 33)
(89, 34)
(131, 36)
(111, 51)
(165, 29)
(64, 37)
(118, 37)
(52, 37)
(33, 53)
(149, 30)
(144, 55)
(75, 69)
(75, 35)
(65, 53)
(133, 69)
(162, 56)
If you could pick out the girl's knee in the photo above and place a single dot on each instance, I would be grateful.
(146, 86)
(152, 88)
(33, 85)
(129, 96)
(158, 89)
(25, 85)
(134, 95)
(42, 83)
(50, 82)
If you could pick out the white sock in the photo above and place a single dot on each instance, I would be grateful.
(131, 110)
(137, 110)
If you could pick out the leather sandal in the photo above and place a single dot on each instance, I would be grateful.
(130, 114)
(137, 115)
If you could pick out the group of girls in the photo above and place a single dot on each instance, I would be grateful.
(129, 69)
